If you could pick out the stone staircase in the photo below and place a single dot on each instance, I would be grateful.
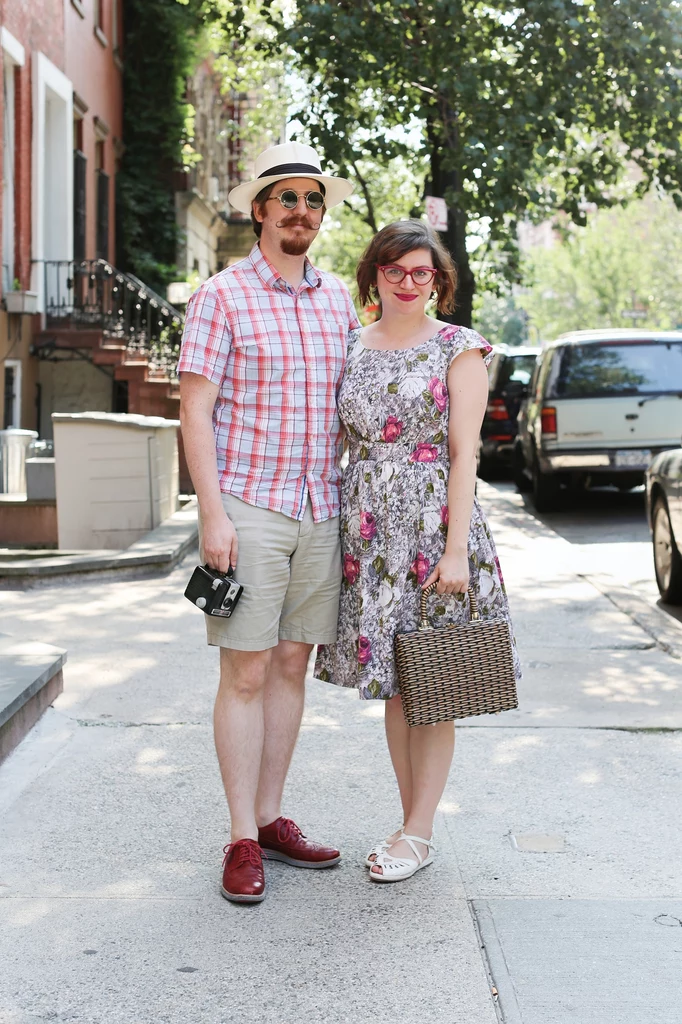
(151, 390)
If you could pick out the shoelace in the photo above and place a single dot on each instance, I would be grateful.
(245, 851)
(288, 829)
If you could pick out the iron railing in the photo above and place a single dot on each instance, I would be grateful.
(94, 294)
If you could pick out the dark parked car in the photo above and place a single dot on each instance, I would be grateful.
(664, 509)
(508, 378)
(601, 405)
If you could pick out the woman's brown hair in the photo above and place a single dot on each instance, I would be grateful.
(395, 241)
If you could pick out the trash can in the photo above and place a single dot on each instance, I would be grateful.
(14, 445)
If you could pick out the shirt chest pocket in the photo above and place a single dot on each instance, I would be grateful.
(264, 350)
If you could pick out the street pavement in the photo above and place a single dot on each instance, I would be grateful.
(555, 897)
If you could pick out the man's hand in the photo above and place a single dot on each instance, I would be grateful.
(219, 542)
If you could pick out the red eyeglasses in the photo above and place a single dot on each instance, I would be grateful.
(395, 274)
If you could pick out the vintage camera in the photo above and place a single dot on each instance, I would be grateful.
(216, 593)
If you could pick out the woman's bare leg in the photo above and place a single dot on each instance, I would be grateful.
(430, 750)
(398, 739)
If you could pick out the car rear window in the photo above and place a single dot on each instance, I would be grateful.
(515, 370)
(591, 371)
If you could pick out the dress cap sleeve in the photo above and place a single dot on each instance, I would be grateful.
(462, 339)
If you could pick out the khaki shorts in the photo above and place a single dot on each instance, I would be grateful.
(291, 574)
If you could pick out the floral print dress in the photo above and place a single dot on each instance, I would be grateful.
(394, 508)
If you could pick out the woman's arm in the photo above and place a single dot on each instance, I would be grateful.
(468, 391)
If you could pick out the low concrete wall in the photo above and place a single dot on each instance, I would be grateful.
(30, 680)
(116, 477)
(28, 524)
(20, 724)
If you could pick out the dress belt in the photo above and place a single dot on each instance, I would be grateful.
(395, 451)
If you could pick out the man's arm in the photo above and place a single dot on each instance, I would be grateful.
(197, 400)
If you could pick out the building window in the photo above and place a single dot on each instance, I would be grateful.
(99, 22)
(102, 241)
(116, 27)
(80, 165)
(8, 176)
(12, 389)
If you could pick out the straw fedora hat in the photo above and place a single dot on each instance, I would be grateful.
(290, 160)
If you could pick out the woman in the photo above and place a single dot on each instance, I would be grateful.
(408, 512)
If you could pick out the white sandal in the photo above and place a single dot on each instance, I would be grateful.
(395, 869)
(382, 847)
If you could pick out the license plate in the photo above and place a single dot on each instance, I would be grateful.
(637, 459)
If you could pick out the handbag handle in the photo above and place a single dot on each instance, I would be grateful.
(431, 589)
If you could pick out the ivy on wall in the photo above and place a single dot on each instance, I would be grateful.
(160, 46)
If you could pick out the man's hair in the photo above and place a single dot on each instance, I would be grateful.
(395, 241)
(261, 200)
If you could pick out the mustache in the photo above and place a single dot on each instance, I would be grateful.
(290, 222)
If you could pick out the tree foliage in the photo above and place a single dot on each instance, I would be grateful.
(246, 55)
(522, 109)
(164, 41)
(385, 193)
(159, 48)
(622, 260)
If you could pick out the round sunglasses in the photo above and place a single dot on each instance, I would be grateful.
(289, 199)
(395, 274)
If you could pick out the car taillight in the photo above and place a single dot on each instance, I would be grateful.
(497, 410)
(548, 421)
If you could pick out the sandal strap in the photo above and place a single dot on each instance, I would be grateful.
(411, 840)
(388, 863)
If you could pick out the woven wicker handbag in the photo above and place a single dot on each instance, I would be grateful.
(455, 671)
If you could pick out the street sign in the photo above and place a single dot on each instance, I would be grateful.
(634, 314)
(437, 213)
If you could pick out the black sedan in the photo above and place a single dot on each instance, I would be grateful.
(664, 510)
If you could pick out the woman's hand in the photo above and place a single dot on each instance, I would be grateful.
(451, 574)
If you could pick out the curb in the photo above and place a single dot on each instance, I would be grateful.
(657, 623)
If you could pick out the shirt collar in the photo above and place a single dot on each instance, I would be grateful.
(272, 278)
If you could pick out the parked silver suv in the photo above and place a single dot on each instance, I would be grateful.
(600, 405)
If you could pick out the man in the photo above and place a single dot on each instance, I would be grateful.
(262, 354)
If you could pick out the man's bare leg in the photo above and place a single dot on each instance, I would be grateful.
(283, 701)
(238, 726)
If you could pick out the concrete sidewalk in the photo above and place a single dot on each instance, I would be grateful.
(113, 821)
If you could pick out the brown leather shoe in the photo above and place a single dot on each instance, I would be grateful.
(243, 876)
(284, 841)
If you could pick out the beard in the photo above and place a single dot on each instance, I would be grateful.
(297, 245)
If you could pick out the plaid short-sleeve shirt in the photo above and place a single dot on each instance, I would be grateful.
(277, 354)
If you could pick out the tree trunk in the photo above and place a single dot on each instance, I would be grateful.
(446, 183)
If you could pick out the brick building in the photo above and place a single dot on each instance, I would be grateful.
(36, 113)
(212, 235)
(75, 333)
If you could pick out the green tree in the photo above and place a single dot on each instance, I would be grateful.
(523, 109)
(386, 192)
(500, 320)
(159, 46)
(623, 259)
(164, 41)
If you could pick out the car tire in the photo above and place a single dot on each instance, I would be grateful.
(667, 558)
(518, 468)
(545, 489)
(487, 468)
